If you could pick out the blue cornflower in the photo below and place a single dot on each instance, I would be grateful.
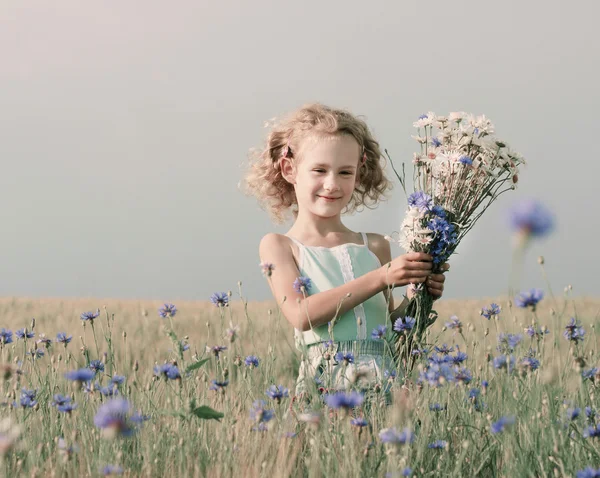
(379, 332)
(183, 345)
(347, 357)
(258, 412)
(62, 338)
(573, 331)
(590, 413)
(218, 385)
(28, 398)
(436, 142)
(251, 361)
(67, 407)
(536, 332)
(109, 391)
(393, 436)
(592, 432)
(466, 160)
(529, 364)
(277, 392)
(439, 211)
(492, 311)
(390, 374)
(90, 315)
(529, 298)
(116, 418)
(167, 371)
(437, 375)
(458, 358)
(423, 116)
(38, 353)
(439, 359)
(167, 310)
(589, 374)
(96, 366)
(454, 324)
(6, 336)
(220, 299)
(438, 445)
(573, 413)
(344, 400)
(500, 425)
(463, 375)
(302, 284)
(59, 399)
(588, 472)
(24, 334)
(117, 380)
(474, 394)
(484, 385)
(531, 218)
(504, 362)
(404, 325)
(216, 350)
(420, 200)
(420, 352)
(437, 407)
(81, 375)
(444, 349)
(508, 342)
(359, 422)
(112, 470)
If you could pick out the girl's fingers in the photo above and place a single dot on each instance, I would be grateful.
(418, 266)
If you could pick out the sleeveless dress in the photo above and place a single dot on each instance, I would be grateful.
(328, 268)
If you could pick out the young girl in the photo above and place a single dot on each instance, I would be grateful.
(333, 284)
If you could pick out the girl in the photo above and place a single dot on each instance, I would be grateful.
(333, 284)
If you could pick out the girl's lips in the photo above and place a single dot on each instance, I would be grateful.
(328, 198)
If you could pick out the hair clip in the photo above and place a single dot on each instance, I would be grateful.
(286, 150)
(364, 156)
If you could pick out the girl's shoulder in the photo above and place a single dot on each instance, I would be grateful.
(380, 246)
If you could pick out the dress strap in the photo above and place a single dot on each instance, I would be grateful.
(300, 260)
(364, 238)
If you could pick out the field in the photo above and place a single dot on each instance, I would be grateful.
(175, 426)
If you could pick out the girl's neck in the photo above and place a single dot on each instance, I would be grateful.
(316, 228)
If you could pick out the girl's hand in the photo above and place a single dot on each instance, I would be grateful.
(411, 268)
(435, 282)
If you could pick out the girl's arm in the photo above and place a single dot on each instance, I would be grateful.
(318, 309)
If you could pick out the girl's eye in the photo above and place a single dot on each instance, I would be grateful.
(346, 172)
(319, 170)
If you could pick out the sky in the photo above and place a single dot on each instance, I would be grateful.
(125, 129)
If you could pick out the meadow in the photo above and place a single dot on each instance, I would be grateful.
(192, 407)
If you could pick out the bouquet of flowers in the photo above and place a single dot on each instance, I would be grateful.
(461, 170)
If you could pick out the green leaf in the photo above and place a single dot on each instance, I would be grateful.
(196, 365)
(207, 413)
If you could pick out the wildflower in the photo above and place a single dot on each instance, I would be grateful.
(438, 445)
(62, 338)
(573, 331)
(420, 352)
(167, 310)
(390, 374)
(437, 375)
(589, 374)
(573, 413)
(588, 472)
(216, 350)
(420, 200)
(590, 413)
(531, 219)
(536, 332)
(220, 299)
(500, 425)
(490, 312)
(81, 375)
(24, 334)
(59, 399)
(444, 349)
(258, 412)
(6, 336)
(261, 427)
(504, 362)
(592, 432)
(28, 398)
(466, 160)
(109, 391)
(90, 316)
(458, 358)
(508, 342)
(529, 298)
(116, 418)
(251, 361)
(232, 332)
(96, 366)
(302, 284)
(109, 470)
(37, 353)
(454, 324)
(463, 375)
(393, 436)
(167, 371)
(219, 386)
(404, 325)
(437, 407)
(379, 332)
(277, 392)
(267, 268)
(347, 357)
(529, 364)
(67, 408)
(344, 400)
(117, 380)
(439, 359)
(359, 422)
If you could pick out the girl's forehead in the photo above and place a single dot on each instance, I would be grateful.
(338, 144)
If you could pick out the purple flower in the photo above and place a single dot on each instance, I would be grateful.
(504, 362)
(167, 371)
(463, 375)
(59, 399)
(574, 332)
(454, 324)
(116, 418)
(220, 299)
(267, 268)
(62, 338)
(436, 142)
(260, 414)
(492, 311)
(458, 358)
(347, 357)
(117, 380)
(588, 472)
(529, 364)
(437, 407)
(66, 408)
(96, 366)
(421, 200)
(90, 316)
(502, 424)
(167, 310)
(379, 332)
(573, 413)
(404, 325)
(24, 334)
(28, 398)
(592, 432)
(466, 160)
(531, 218)
(536, 332)
(112, 470)
(251, 361)
(393, 436)
(219, 386)
(508, 342)
(302, 284)
(529, 298)
(216, 350)
(81, 375)
(277, 392)
(438, 445)
(444, 349)
(6, 336)
(359, 422)
(589, 374)
(38, 353)
(344, 400)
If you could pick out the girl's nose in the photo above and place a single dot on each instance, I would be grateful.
(330, 184)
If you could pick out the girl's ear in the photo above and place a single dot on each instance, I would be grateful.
(288, 171)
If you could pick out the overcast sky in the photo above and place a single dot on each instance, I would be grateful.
(125, 127)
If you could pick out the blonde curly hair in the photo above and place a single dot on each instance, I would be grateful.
(276, 195)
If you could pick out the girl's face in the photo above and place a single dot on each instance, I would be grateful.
(326, 174)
